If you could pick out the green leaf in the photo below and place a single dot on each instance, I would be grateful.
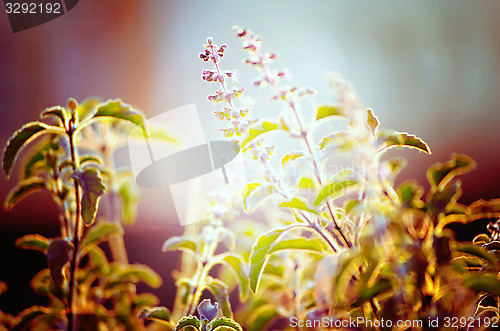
(240, 269)
(258, 129)
(179, 243)
(389, 140)
(23, 189)
(159, 314)
(130, 195)
(482, 282)
(410, 194)
(223, 323)
(92, 190)
(139, 272)
(328, 110)
(89, 158)
(306, 183)
(262, 317)
(58, 112)
(118, 109)
(87, 108)
(291, 156)
(147, 300)
(98, 258)
(253, 194)
(100, 232)
(335, 188)
(297, 204)
(28, 316)
(478, 252)
(33, 241)
(339, 139)
(481, 239)
(372, 120)
(302, 244)
(443, 200)
(219, 290)
(188, 321)
(59, 252)
(21, 138)
(260, 255)
(484, 209)
(381, 286)
(440, 174)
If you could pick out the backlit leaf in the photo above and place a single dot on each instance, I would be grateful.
(33, 241)
(219, 290)
(188, 321)
(389, 140)
(328, 110)
(260, 255)
(482, 282)
(440, 174)
(100, 232)
(291, 156)
(253, 194)
(179, 243)
(335, 188)
(58, 112)
(258, 129)
(298, 204)
(339, 139)
(130, 195)
(484, 209)
(138, 272)
(23, 189)
(92, 190)
(21, 138)
(223, 323)
(477, 251)
(240, 269)
(117, 109)
(372, 120)
(27, 316)
(306, 183)
(302, 244)
(262, 317)
(160, 314)
(59, 252)
(381, 286)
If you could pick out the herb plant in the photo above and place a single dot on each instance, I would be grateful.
(320, 238)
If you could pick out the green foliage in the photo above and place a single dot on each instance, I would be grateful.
(328, 110)
(257, 130)
(389, 140)
(102, 231)
(33, 241)
(22, 137)
(361, 246)
(22, 190)
(117, 109)
(92, 190)
(77, 183)
(59, 253)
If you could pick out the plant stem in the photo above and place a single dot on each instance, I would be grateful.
(76, 239)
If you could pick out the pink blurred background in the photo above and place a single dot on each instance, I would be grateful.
(428, 68)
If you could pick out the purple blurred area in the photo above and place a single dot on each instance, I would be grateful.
(428, 68)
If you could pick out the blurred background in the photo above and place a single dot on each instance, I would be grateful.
(428, 68)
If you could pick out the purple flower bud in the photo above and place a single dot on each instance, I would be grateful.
(207, 310)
